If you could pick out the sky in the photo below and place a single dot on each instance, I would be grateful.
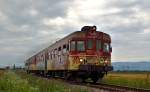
(28, 26)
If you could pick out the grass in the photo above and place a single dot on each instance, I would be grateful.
(46, 85)
(10, 82)
(131, 79)
(21, 82)
(2, 72)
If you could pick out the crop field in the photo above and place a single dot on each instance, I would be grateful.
(130, 79)
(21, 82)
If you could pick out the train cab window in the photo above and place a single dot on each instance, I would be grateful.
(98, 45)
(106, 47)
(72, 46)
(90, 44)
(80, 46)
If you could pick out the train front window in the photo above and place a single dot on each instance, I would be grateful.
(106, 47)
(90, 44)
(72, 46)
(80, 46)
(98, 45)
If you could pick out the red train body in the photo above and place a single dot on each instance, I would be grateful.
(82, 54)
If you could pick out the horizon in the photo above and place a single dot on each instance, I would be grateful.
(22, 64)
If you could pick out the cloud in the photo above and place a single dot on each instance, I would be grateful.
(27, 26)
(22, 31)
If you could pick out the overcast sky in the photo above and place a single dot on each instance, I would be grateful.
(27, 26)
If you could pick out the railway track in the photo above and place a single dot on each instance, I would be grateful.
(112, 88)
(101, 86)
(106, 87)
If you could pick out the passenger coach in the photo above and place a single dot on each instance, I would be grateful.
(82, 54)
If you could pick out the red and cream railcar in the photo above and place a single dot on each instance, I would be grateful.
(82, 54)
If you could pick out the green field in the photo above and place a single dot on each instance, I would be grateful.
(11, 81)
(21, 82)
(131, 79)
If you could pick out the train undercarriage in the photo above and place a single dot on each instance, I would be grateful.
(85, 72)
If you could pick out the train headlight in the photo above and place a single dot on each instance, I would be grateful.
(81, 60)
(106, 61)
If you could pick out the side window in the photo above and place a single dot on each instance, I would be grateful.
(44, 56)
(98, 44)
(38, 58)
(80, 46)
(64, 49)
(41, 57)
(72, 46)
(90, 44)
(67, 47)
(49, 55)
(59, 49)
(55, 53)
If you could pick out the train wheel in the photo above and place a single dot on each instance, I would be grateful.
(95, 79)
(67, 76)
(70, 76)
(97, 76)
(83, 80)
(79, 80)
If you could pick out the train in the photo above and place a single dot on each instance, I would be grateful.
(84, 54)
